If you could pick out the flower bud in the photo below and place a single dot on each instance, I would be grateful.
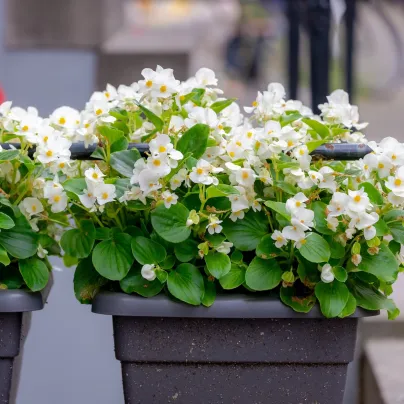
(374, 242)
(356, 259)
(288, 277)
(373, 250)
(356, 248)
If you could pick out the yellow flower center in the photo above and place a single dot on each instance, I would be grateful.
(357, 198)
(87, 125)
(56, 198)
(107, 94)
(105, 195)
(199, 171)
(157, 163)
(62, 121)
(366, 167)
(182, 97)
(301, 152)
(290, 143)
(25, 128)
(33, 208)
(49, 153)
(397, 182)
(279, 238)
(162, 149)
(62, 165)
(304, 241)
(149, 83)
(245, 175)
(169, 199)
(232, 154)
(254, 103)
(249, 135)
(45, 139)
(393, 157)
(98, 112)
(163, 88)
(298, 203)
(220, 127)
(381, 165)
(238, 143)
(95, 176)
(257, 144)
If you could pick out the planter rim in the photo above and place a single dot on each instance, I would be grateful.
(225, 306)
(14, 301)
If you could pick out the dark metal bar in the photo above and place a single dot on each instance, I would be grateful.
(350, 16)
(293, 14)
(328, 151)
(319, 21)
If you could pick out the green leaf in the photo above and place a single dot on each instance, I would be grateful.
(340, 273)
(278, 207)
(337, 250)
(381, 228)
(288, 119)
(312, 145)
(87, 281)
(102, 233)
(112, 134)
(234, 278)
(98, 154)
(266, 248)
(194, 140)
(218, 264)
(113, 258)
(219, 106)
(315, 249)
(395, 222)
(147, 251)
(186, 284)
(153, 118)
(20, 241)
(187, 250)
(333, 297)
(209, 296)
(319, 209)
(119, 145)
(4, 258)
(78, 243)
(215, 239)
(8, 155)
(318, 127)
(34, 272)
(216, 191)
(75, 185)
(349, 308)
(6, 222)
(69, 261)
(286, 187)
(373, 194)
(263, 274)
(169, 262)
(383, 265)
(170, 224)
(301, 304)
(135, 283)
(247, 233)
(369, 298)
(124, 161)
(308, 273)
(11, 277)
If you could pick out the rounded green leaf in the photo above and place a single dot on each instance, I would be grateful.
(315, 249)
(319, 208)
(194, 140)
(170, 224)
(147, 251)
(247, 233)
(218, 264)
(87, 281)
(234, 278)
(349, 308)
(4, 258)
(113, 258)
(301, 304)
(266, 248)
(186, 284)
(187, 250)
(263, 274)
(332, 297)
(124, 161)
(374, 195)
(135, 283)
(34, 272)
(209, 296)
(340, 273)
(78, 243)
(5, 221)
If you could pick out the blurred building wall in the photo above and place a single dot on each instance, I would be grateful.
(68, 356)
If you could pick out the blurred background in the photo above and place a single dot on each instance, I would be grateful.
(57, 52)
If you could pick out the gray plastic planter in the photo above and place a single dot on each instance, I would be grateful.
(244, 349)
(13, 305)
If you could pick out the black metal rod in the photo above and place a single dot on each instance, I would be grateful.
(319, 21)
(350, 17)
(293, 14)
(328, 151)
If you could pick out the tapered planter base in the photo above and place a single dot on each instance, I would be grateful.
(241, 350)
(13, 305)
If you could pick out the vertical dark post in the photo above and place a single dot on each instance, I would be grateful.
(350, 17)
(293, 13)
(319, 20)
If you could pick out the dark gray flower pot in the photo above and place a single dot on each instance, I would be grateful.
(15, 306)
(244, 349)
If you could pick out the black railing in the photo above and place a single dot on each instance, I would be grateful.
(328, 151)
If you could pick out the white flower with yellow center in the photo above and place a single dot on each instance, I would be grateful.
(303, 219)
(205, 77)
(54, 148)
(149, 181)
(332, 223)
(31, 206)
(65, 117)
(58, 202)
(328, 181)
(202, 115)
(88, 199)
(315, 177)
(358, 201)
(169, 199)
(105, 193)
(238, 215)
(239, 201)
(294, 233)
(159, 164)
(214, 225)
(28, 126)
(101, 111)
(297, 202)
(134, 194)
(279, 239)
(224, 247)
(396, 183)
(94, 175)
(201, 173)
(245, 177)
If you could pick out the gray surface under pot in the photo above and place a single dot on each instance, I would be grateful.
(244, 349)
(15, 308)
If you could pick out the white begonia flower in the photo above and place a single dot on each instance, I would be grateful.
(104, 193)
(101, 111)
(161, 144)
(149, 181)
(358, 201)
(301, 154)
(396, 183)
(94, 175)
(148, 272)
(297, 202)
(134, 194)
(395, 200)
(332, 223)
(245, 177)
(110, 94)
(169, 199)
(202, 115)
(55, 148)
(176, 123)
(368, 164)
(52, 187)
(327, 276)
(338, 204)
(139, 166)
(31, 206)
(41, 252)
(384, 166)
(393, 150)
(201, 173)
(239, 202)
(363, 220)
(177, 179)
(193, 218)
(205, 77)
(66, 118)
(237, 215)
(328, 181)
(301, 241)
(315, 177)
(293, 233)
(88, 199)
(369, 232)
(224, 247)
(159, 164)
(58, 202)
(303, 219)
(214, 225)
(279, 239)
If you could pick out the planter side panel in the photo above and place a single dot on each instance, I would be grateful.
(142, 339)
(10, 334)
(233, 383)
